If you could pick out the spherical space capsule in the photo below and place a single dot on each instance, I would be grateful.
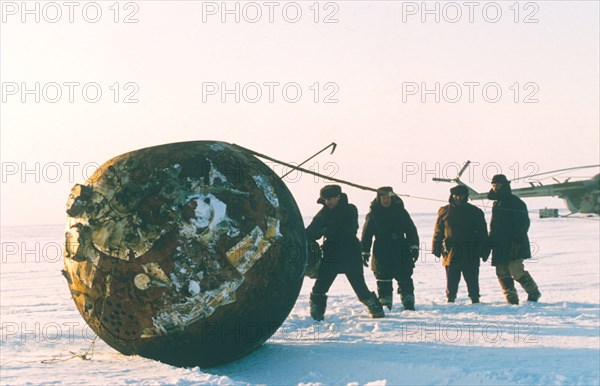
(189, 253)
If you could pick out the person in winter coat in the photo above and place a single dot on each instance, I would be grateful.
(460, 235)
(396, 247)
(337, 222)
(509, 241)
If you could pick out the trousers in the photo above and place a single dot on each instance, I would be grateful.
(470, 272)
(356, 278)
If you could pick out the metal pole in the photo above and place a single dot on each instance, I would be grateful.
(304, 170)
(333, 145)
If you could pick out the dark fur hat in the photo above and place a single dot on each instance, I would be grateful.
(329, 191)
(459, 190)
(500, 179)
(385, 191)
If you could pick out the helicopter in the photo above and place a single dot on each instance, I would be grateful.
(581, 196)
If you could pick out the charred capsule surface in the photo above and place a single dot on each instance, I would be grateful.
(189, 253)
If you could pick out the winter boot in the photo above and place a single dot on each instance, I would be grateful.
(408, 301)
(474, 300)
(373, 306)
(534, 297)
(528, 284)
(385, 291)
(405, 289)
(318, 302)
(508, 286)
(450, 299)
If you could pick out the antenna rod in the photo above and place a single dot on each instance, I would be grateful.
(333, 145)
(307, 171)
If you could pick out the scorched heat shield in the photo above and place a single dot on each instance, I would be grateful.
(189, 253)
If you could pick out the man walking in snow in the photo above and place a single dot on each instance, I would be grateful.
(337, 221)
(459, 236)
(509, 241)
(396, 247)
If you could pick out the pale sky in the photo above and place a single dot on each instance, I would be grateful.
(374, 60)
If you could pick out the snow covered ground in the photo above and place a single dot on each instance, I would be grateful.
(554, 342)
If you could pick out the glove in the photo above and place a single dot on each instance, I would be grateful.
(365, 258)
(413, 252)
(486, 250)
(437, 250)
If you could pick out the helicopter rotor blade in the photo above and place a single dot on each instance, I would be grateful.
(466, 165)
(562, 170)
